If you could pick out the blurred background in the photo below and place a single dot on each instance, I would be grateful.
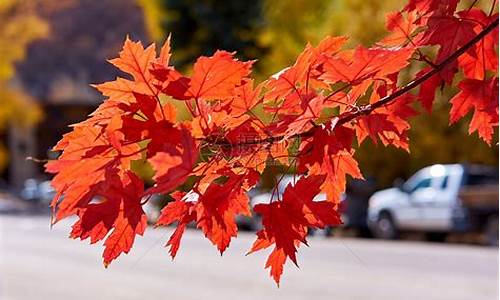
(51, 50)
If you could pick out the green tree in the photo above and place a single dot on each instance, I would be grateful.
(201, 27)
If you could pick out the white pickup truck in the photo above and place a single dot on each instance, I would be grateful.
(438, 200)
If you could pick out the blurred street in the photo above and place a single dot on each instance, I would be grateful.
(39, 263)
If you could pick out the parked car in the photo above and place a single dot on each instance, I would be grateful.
(438, 200)
(38, 192)
(354, 207)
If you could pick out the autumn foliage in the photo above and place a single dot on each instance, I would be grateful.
(316, 112)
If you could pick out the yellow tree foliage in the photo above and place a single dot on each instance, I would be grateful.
(20, 26)
(153, 11)
(290, 24)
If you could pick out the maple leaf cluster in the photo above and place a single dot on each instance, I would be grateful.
(315, 113)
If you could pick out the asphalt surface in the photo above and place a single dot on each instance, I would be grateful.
(39, 263)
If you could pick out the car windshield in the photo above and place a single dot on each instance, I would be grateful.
(421, 184)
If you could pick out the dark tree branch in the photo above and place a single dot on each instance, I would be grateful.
(367, 109)
(387, 99)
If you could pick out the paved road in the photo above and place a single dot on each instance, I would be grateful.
(38, 263)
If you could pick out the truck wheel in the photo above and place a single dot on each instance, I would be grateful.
(491, 231)
(385, 227)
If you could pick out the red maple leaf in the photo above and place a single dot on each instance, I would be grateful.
(482, 57)
(401, 28)
(87, 162)
(366, 64)
(133, 60)
(173, 165)
(449, 33)
(213, 77)
(426, 6)
(286, 222)
(214, 210)
(304, 72)
(245, 98)
(118, 211)
(427, 92)
(482, 97)
(330, 153)
(180, 211)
